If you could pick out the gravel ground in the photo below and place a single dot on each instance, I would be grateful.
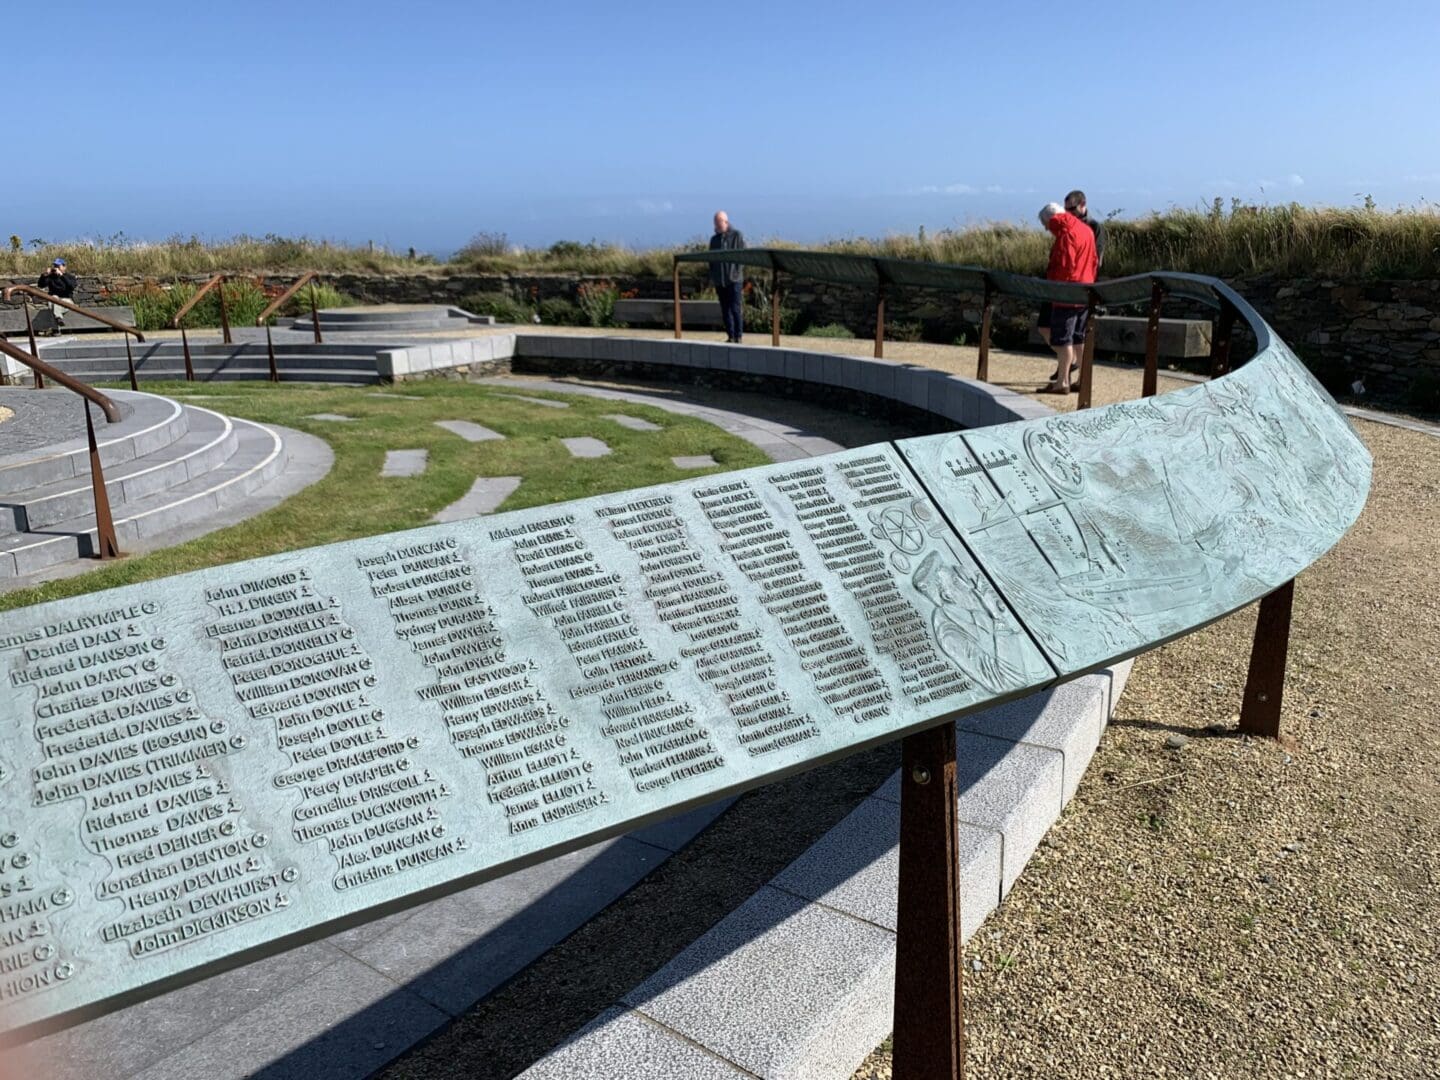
(1228, 909)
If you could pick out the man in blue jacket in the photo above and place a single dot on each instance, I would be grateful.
(729, 278)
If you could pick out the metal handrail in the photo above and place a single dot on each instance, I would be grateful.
(31, 290)
(309, 277)
(216, 282)
(107, 547)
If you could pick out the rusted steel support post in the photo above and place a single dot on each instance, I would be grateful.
(929, 1012)
(315, 315)
(1151, 384)
(224, 314)
(982, 366)
(106, 546)
(130, 363)
(677, 300)
(1220, 342)
(1265, 681)
(185, 345)
(775, 308)
(880, 324)
(270, 350)
(1087, 354)
(34, 349)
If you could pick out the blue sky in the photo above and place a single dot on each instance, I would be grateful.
(423, 123)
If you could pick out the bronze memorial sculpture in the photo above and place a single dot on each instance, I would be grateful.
(199, 771)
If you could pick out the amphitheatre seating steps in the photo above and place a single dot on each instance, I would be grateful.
(12, 319)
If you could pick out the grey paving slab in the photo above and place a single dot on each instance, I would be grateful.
(854, 868)
(758, 989)
(634, 423)
(330, 417)
(694, 461)
(405, 462)
(622, 1043)
(469, 430)
(458, 949)
(485, 494)
(344, 1023)
(549, 403)
(585, 446)
(398, 397)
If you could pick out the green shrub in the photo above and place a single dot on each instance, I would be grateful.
(597, 301)
(504, 307)
(326, 297)
(557, 311)
(757, 312)
(155, 305)
(829, 330)
(904, 330)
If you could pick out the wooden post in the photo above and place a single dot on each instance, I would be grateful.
(775, 308)
(880, 324)
(1265, 681)
(929, 1020)
(677, 299)
(1220, 342)
(1150, 386)
(1087, 354)
(106, 546)
(982, 366)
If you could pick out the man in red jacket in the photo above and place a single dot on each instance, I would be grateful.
(1072, 258)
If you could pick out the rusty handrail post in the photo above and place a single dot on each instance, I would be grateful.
(34, 348)
(107, 547)
(185, 345)
(270, 350)
(275, 305)
(224, 316)
(880, 323)
(929, 1020)
(1087, 353)
(1220, 342)
(982, 364)
(89, 393)
(774, 307)
(1150, 385)
(315, 315)
(130, 364)
(676, 283)
(1265, 679)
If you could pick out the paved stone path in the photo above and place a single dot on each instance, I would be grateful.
(404, 462)
(694, 461)
(549, 403)
(43, 418)
(470, 432)
(634, 423)
(586, 447)
(330, 417)
(484, 496)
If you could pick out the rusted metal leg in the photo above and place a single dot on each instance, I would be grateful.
(106, 546)
(1220, 342)
(315, 315)
(982, 367)
(677, 301)
(189, 368)
(34, 349)
(880, 325)
(1265, 682)
(224, 315)
(1151, 384)
(130, 363)
(929, 1013)
(1087, 357)
(270, 349)
(775, 308)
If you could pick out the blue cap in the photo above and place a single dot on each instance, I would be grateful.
(58, 262)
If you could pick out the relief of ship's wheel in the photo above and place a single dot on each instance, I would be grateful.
(900, 529)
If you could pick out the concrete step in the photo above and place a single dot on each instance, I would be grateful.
(57, 354)
(258, 457)
(148, 424)
(349, 370)
(210, 442)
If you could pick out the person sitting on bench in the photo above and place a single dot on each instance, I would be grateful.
(57, 281)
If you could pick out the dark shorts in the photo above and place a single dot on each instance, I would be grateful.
(1067, 324)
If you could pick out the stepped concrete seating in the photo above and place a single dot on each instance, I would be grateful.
(297, 360)
(393, 320)
(172, 471)
(12, 319)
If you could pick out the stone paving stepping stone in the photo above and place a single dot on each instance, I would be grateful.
(484, 496)
(694, 461)
(404, 462)
(634, 423)
(468, 431)
(586, 447)
(547, 402)
(330, 416)
(402, 397)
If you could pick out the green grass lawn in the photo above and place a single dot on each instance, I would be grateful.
(353, 500)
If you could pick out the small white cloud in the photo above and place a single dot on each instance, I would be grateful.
(1295, 180)
(961, 189)
(994, 189)
(654, 206)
